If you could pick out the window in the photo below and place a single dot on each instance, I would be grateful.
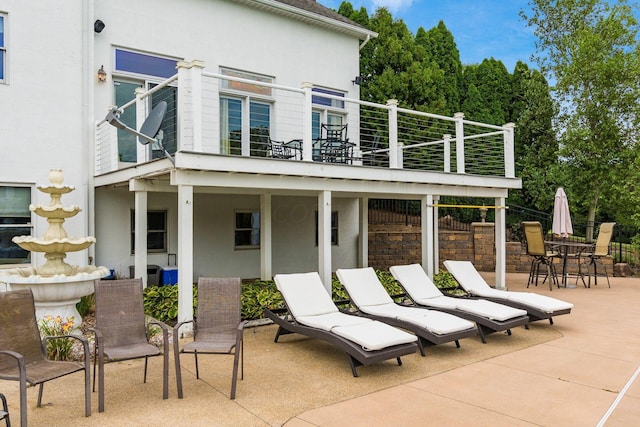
(136, 67)
(245, 114)
(156, 231)
(247, 230)
(334, 228)
(15, 220)
(140, 63)
(325, 110)
(3, 48)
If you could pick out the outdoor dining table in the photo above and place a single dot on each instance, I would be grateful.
(563, 247)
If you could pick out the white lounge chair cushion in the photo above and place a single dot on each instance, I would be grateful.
(328, 321)
(363, 286)
(374, 335)
(415, 281)
(436, 322)
(479, 307)
(305, 294)
(469, 278)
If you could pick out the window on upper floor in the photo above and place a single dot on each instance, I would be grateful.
(156, 231)
(3, 47)
(247, 230)
(15, 220)
(326, 110)
(245, 113)
(133, 70)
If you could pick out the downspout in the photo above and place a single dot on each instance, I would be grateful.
(88, 101)
(365, 41)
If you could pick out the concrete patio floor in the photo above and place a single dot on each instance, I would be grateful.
(571, 373)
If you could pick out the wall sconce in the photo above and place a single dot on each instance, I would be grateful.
(102, 74)
(98, 26)
(357, 80)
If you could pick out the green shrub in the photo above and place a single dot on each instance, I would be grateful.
(257, 296)
(86, 305)
(161, 302)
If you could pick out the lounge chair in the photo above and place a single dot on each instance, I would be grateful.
(489, 316)
(313, 313)
(539, 307)
(372, 300)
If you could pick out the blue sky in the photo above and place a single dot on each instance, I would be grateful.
(481, 28)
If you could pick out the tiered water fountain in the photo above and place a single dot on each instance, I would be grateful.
(57, 286)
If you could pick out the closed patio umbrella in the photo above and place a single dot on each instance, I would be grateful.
(561, 217)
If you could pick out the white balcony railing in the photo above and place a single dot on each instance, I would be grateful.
(384, 135)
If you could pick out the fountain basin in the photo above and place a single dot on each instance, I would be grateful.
(55, 295)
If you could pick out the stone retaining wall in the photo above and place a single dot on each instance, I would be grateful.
(396, 244)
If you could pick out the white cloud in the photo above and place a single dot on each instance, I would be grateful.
(393, 5)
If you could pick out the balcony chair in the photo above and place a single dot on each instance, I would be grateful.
(334, 144)
(217, 328)
(280, 150)
(600, 250)
(536, 248)
(121, 332)
(23, 355)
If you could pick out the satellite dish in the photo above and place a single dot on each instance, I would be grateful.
(149, 129)
(152, 123)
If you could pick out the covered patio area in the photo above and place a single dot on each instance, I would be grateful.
(569, 373)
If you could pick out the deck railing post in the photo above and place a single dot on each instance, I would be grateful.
(307, 143)
(509, 162)
(393, 133)
(446, 138)
(143, 152)
(459, 118)
(196, 105)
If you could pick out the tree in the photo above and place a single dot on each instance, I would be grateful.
(589, 48)
(536, 147)
(440, 49)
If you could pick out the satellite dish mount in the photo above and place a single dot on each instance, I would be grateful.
(150, 131)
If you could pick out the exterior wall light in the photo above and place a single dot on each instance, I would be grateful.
(102, 74)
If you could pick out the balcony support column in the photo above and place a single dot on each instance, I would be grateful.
(266, 244)
(324, 238)
(501, 245)
(427, 237)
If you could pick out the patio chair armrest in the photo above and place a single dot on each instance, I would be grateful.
(176, 328)
(165, 333)
(20, 361)
(241, 325)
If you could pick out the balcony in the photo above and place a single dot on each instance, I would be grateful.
(409, 145)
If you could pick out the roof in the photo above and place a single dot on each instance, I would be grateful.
(312, 12)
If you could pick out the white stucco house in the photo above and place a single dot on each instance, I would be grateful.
(235, 74)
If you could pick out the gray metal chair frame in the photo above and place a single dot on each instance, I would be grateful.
(217, 328)
(536, 248)
(4, 413)
(121, 333)
(600, 250)
(23, 354)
